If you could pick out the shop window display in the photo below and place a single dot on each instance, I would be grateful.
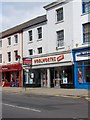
(83, 71)
(80, 75)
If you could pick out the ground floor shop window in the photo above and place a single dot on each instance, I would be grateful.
(63, 77)
(44, 78)
(64, 74)
(83, 68)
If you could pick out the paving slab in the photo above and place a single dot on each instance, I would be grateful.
(48, 91)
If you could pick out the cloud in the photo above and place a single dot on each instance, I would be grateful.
(14, 13)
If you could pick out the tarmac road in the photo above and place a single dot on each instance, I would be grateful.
(38, 106)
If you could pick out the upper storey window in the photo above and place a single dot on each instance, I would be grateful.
(0, 58)
(59, 14)
(0, 43)
(86, 6)
(30, 35)
(9, 56)
(9, 41)
(39, 50)
(86, 32)
(60, 38)
(39, 32)
(16, 39)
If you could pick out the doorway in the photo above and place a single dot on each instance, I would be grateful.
(7, 78)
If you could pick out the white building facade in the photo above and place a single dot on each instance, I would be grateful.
(54, 65)
(11, 57)
(62, 34)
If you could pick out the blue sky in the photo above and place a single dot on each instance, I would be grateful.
(14, 13)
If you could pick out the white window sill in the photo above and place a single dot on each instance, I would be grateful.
(9, 46)
(85, 13)
(15, 61)
(15, 44)
(9, 62)
(39, 39)
(30, 42)
(86, 43)
(57, 22)
(57, 48)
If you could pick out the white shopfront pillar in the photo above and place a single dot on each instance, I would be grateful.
(48, 77)
(27, 76)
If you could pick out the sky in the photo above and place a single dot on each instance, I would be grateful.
(17, 12)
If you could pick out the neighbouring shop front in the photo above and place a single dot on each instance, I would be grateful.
(81, 57)
(54, 70)
(11, 75)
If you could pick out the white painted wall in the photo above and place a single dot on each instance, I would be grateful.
(6, 48)
(72, 25)
(66, 24)
(78, 19)
(35, 43)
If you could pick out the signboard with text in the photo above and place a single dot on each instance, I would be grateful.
(52, 59)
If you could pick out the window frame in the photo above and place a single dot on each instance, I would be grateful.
(30, 51)
(39, 50)
(60, 39)
(9, 56)
(30, 36)
(9, 41)
(84, 33)
(16, 53)
(39, 30)
(0, 58)
(16, 39)
(59, 15)
(86, 7)
(0, 43)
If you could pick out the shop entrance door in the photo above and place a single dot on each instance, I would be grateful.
(7, 79)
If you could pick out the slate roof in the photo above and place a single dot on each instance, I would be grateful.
(21, 27)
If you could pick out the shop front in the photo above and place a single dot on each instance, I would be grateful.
(29, 75)
(54, 70)
(81, 57)
(11, 75)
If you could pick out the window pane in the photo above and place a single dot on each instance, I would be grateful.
(16, 38)
(30, 35)
(86, 7)
(86, 34)
(16, 55)
(39, 33)
(9, 56)
(80, 78)
(39, 50)
(60, 38)
(0, 43)
(9, 41)
(31, 52)
(60, 14)
(87, 73)
(0, 58)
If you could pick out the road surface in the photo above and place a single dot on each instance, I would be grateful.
(39, 106)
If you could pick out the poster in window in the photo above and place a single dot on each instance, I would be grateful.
(80, 76)
(64, 80)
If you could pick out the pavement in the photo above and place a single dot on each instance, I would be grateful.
(75, 93)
